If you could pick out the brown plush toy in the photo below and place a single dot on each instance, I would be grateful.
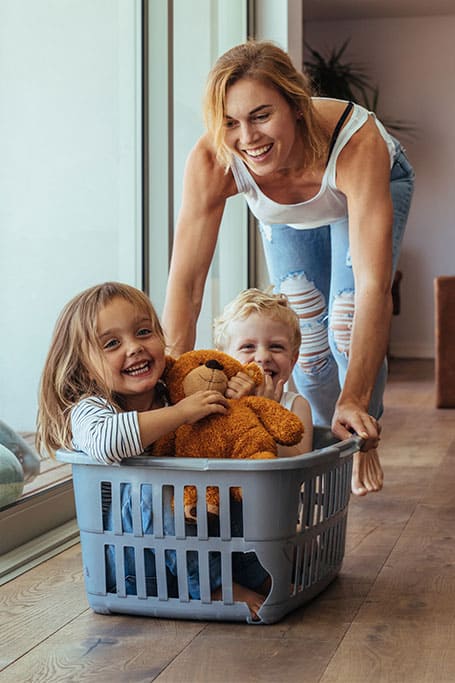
(251, 429)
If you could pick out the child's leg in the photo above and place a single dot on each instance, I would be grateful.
(254, 580)
(129, 558)
(240, 593)
(193, 569)
(251, 582)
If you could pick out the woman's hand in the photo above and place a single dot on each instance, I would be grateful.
(349, 418)
(367, 474)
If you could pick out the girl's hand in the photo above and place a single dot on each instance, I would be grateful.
(199, 405)
(349, 418)
(240, 385)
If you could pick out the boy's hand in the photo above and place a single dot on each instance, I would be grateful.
(201, 404)
(240, 385)
(267, 390)
(243, 385)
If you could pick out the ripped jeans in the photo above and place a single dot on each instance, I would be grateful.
(313, 268)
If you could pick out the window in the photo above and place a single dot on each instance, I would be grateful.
(87, 197)
(184, 40)
(104, 103)
(71, 197)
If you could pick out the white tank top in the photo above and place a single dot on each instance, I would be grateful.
(288, 398)
(328, 205)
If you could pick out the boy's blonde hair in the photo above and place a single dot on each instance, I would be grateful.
(267, 63)
(67, 375)
(253, 300)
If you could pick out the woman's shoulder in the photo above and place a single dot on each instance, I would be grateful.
(365, 132)
(329, 107)
(203, 164)
(203, 154)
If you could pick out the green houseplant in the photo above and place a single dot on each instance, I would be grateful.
(333, 76)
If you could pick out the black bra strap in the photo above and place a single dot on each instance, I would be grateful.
(336, 132)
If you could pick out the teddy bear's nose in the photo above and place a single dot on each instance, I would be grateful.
(214, 365)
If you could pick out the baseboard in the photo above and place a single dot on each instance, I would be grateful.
(38, 550)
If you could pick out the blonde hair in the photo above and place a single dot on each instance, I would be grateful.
(67, 376)
(253, 300)
(266, 62)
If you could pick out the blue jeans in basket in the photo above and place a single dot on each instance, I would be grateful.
(313, 267)
(246, 568)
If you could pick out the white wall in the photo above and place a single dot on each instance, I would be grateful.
(413, 62)
(69, 162)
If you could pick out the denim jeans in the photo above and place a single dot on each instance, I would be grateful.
(313, 267)
(149, 555)
(246, 568)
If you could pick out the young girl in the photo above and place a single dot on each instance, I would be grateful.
(101, 393)
(262, 327)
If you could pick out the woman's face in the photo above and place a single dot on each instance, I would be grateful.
(261, 127)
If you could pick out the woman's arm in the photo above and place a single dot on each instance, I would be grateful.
(206, 187)
(364, 177)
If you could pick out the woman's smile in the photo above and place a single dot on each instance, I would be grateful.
(258, 152)
(260, 126)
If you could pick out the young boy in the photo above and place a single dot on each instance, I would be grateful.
(262, 327)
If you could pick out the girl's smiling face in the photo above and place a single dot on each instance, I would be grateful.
(264, 340)
(261, 127)
(131, 356)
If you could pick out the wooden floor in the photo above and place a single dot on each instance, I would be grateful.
(389, 616)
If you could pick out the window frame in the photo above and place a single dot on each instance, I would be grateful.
(40, 523)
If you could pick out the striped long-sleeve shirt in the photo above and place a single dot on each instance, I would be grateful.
(104, 434)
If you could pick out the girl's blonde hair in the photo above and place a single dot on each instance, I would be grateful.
(253, 300)
(67, 375)
(268, 63)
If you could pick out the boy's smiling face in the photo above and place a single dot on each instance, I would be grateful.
(264, 340)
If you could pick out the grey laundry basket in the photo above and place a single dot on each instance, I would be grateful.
(294, 518)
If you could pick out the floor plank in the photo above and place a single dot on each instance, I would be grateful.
(105, 649)
(35, 604)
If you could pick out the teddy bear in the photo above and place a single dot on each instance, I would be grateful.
(251, 428)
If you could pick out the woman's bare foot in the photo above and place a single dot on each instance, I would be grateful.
(367, 474)
(242, 594)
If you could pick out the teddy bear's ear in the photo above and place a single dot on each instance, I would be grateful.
(255, 372)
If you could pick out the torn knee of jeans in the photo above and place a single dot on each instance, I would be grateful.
(310, 305)
(341, 320)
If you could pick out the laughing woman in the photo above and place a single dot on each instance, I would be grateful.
(331, 189)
